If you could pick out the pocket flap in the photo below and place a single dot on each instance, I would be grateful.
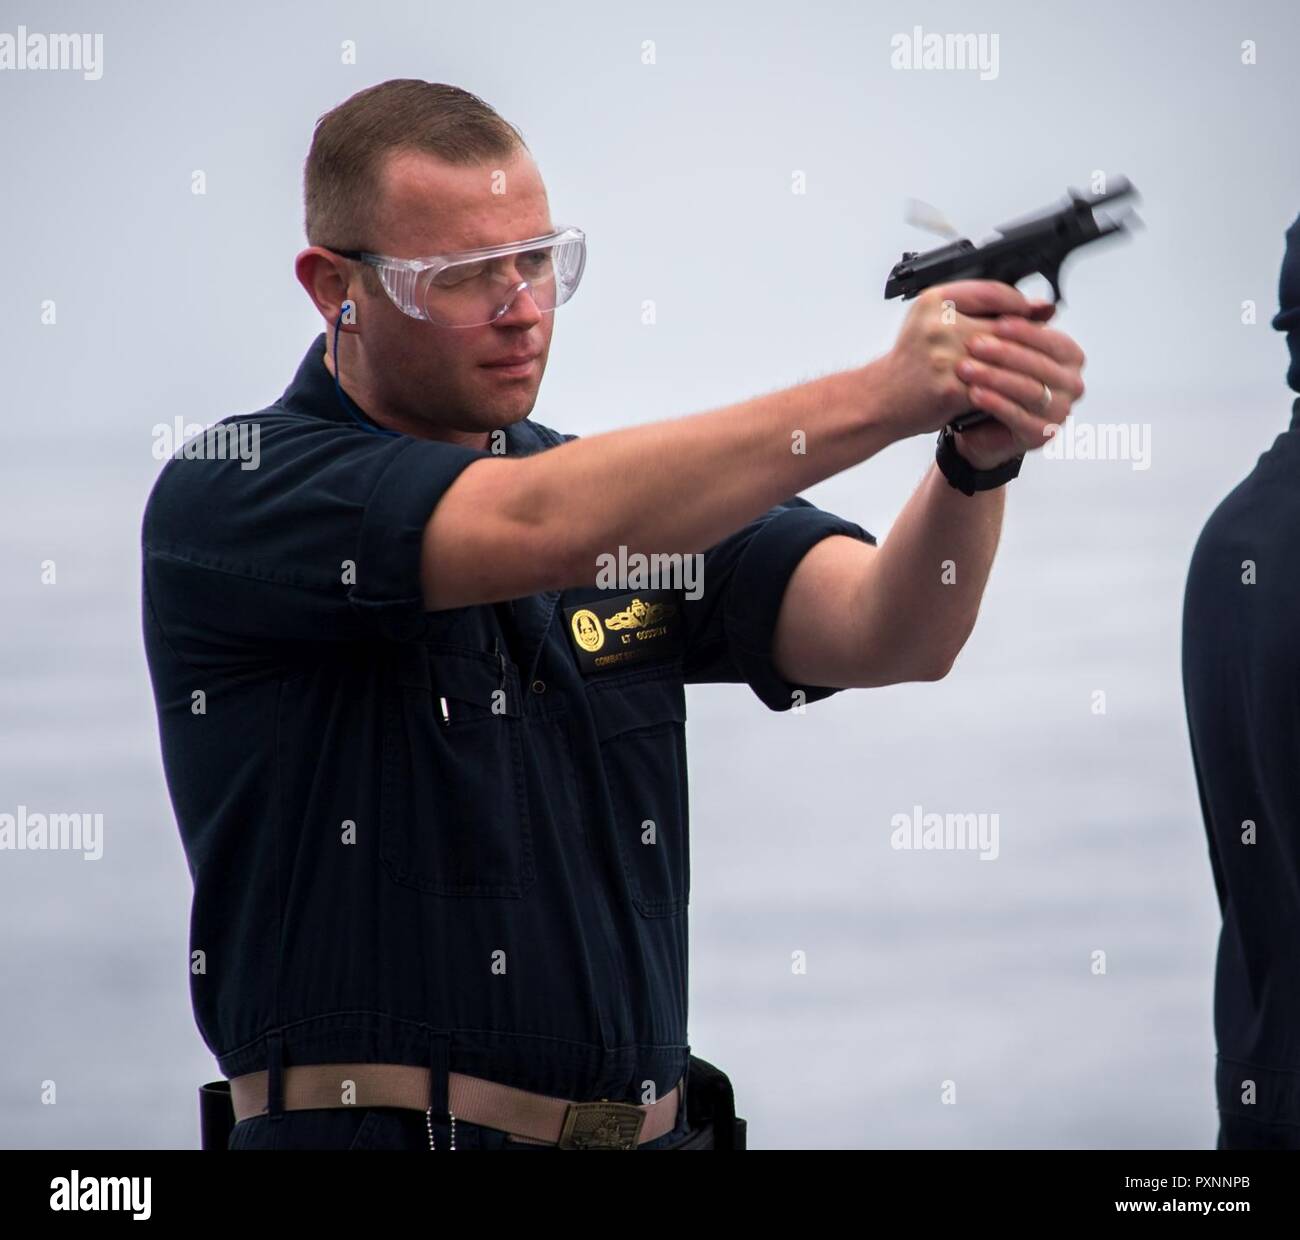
(623, 707)
(465, 675)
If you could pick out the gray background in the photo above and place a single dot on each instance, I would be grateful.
(922, 967)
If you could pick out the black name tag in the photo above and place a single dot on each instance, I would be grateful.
(612, 633)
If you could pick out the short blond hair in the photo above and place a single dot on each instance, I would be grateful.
(351, 142)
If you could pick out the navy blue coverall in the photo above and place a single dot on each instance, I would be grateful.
(417, 837)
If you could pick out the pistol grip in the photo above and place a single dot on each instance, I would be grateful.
(972, 417)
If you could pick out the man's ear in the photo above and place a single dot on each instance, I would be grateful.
(325, 278)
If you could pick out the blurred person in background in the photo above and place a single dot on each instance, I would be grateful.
(1241, 681)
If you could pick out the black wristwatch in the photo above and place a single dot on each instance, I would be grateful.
(963, 475)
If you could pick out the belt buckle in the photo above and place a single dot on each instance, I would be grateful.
(602, 1125)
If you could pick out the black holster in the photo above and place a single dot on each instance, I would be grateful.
(216, 1115)
(711, 1110)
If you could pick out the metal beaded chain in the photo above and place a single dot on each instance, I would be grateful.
(428, 1123)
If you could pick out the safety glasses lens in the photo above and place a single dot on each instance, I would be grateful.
(478, 291)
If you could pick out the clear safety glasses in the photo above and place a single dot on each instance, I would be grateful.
(478, 286)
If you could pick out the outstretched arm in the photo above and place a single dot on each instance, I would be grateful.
(856, 616)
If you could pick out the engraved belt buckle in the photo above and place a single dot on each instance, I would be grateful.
(602, 1125)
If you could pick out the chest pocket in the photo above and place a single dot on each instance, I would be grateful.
(454, 813)
(641, 727)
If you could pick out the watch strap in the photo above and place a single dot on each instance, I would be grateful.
(963, 475)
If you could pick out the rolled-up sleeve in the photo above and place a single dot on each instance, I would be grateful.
(320, 542)
(731, 627)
